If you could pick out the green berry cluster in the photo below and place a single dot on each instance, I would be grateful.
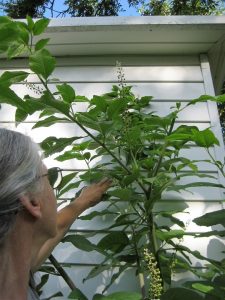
(155, 288)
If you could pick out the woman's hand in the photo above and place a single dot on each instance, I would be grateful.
(92, 194)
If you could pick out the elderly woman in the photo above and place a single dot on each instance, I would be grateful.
(30, 226)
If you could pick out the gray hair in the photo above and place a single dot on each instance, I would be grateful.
(20, 169)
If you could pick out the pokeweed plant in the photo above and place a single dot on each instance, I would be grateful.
(123, 138)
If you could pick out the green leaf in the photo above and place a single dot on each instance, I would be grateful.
(49, 121)
(95, 271)
(116, 107)
(123, 194)
(5, 20)
(10, 97)
(15, 50)
(20, 115)
(67, 92)
(95, 214)
(208, 288)
(202, 98)
(53, 145)
(8, 78)
(40, 26)
(211, 219)
(70, 155)
(87, 121)
(42, 63)
(80, 242)
(23, 34)
(44, 280)
(8, 31)
(48, 101)
(99, 102)
(30, 23)
(180, 293)
(168, 235)
(205, 138)
(69, 187)
(41, 44)
(144, 101)
(194, 184)
(202, 287)
(114, 241)
(211, 233)
(77, 295)
(173, 219)
(115, 276)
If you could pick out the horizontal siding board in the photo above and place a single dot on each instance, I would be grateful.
(109, 74)
(142, 48)
(109, 60)
(136, 35)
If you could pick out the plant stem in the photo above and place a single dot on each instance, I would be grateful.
(62, 272)
(140, 273)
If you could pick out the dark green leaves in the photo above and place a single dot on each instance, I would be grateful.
(211, 219)
(53, 145)
(49, 121)
(8, 78)
(114, 241)
(181, 293)
(79, 242)
(10, 97)
(77, 295)
(42, 63)
(67, 92)
(123, 194)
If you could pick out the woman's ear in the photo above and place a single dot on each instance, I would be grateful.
(32, 205)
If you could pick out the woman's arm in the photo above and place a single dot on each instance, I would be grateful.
(89, 196)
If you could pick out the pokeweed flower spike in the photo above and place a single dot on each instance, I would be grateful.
(155, 287)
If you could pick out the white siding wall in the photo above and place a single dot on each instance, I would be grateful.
(168, 79)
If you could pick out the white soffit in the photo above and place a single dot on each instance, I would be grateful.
(134, 35)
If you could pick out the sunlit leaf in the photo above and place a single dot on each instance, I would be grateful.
(40, 26)
(41, 44)
(42, 63)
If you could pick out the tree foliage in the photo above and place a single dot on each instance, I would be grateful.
(86, 8)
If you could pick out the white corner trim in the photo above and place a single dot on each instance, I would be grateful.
(213, 113)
